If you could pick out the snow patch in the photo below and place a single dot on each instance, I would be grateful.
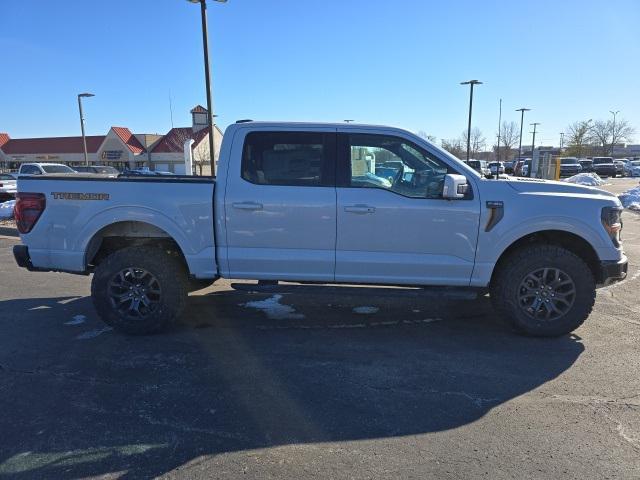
(6, 209)
(590, 179)
(93, 333)
(274, 309)
(77, 320)
(366, 310)
(631, 199)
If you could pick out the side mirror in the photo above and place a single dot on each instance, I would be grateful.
(455, 186)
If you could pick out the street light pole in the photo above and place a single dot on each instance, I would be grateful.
(207, 78)
(561, 141)
(84, 138)
(499, 128)
(533, 145)
(471, 83)
(521, 110)
(613, 132)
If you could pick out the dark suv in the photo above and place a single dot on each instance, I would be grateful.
(604, 166)
(569, 166)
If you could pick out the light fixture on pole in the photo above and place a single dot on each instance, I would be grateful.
(561, 141)
(348, 120)
(207, 78)
(521, 110)
(84, 138)
(471, 83)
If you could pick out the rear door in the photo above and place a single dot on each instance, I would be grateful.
(280, 205)
(394, 227)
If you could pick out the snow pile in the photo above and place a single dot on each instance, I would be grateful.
(631, 199)
(590, 179)
(6, 209)
(274, 309)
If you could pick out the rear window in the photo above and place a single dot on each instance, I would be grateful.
(288, 158)
(6, 177)
(57, 169)
(601, 160)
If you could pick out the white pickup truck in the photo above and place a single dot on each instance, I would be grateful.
(326, 203)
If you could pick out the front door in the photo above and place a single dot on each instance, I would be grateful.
(394, 227)
(280, 208)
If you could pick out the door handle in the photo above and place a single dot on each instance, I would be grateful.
(247, 205)
(360, 209)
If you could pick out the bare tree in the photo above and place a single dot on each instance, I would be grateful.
(426, 136)
(509, 135)
(621, 132)
(454, 147)
(601, 134)
(477, 144)
(201, 155)
(579, 139)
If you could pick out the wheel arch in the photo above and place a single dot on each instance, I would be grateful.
(562, 238)
(118, 235)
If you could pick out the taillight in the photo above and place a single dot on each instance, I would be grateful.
(29, 207)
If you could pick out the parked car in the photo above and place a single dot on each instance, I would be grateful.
(632, 168)
(509, 167)
(44, 168)
(569, 166)
(104, 170)
(496, 168)
(481, 167)
(294, 214)
(517, 169)
(586, 164)
(619, 164)
(604, 166)
(526, 168)
(8, 186)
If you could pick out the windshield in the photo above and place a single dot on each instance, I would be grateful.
(636, 163)
(598, 161)
(57, 169)
(569, 161)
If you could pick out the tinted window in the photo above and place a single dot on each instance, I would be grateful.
(391, 163)
(6, 177)
(288, 158)
(82, 169)
(105, 170)
(57, 169)
(30, 170)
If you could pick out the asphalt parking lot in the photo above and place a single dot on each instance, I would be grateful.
(338, 383)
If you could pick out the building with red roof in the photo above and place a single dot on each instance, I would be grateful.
(119, 148)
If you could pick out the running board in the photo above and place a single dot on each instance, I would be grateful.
(273, 287)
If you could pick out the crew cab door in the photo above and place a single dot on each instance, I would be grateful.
(394, 226)
(280, 205)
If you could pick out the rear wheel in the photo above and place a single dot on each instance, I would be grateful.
(139, 290)
(543, 290)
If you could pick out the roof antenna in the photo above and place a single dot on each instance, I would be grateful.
(170, 109)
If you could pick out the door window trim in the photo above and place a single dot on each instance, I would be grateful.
(343, 167)
(327, 170)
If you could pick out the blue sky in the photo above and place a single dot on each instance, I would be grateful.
(375, 61)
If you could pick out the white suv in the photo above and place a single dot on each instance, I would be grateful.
(43, 168)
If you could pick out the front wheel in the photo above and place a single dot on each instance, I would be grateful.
(139, 290)
(543, 290)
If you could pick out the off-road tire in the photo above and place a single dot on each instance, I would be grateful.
(511, 273)
(168, 270)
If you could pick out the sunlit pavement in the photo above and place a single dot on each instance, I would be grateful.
(345, 383)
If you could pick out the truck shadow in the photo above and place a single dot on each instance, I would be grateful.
(144, 406)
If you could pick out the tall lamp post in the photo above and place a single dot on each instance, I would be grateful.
(207, 77)
(521, 110)
(533, 145)
(471, 83)
(561, 141)
(613, 132)
(499, 128)
(84, 138)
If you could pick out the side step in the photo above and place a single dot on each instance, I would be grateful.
(274, 287)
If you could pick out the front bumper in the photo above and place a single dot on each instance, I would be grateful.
(612, 271)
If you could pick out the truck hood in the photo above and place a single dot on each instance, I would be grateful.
(535, 185)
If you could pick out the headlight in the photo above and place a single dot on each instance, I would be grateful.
(612, 223)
